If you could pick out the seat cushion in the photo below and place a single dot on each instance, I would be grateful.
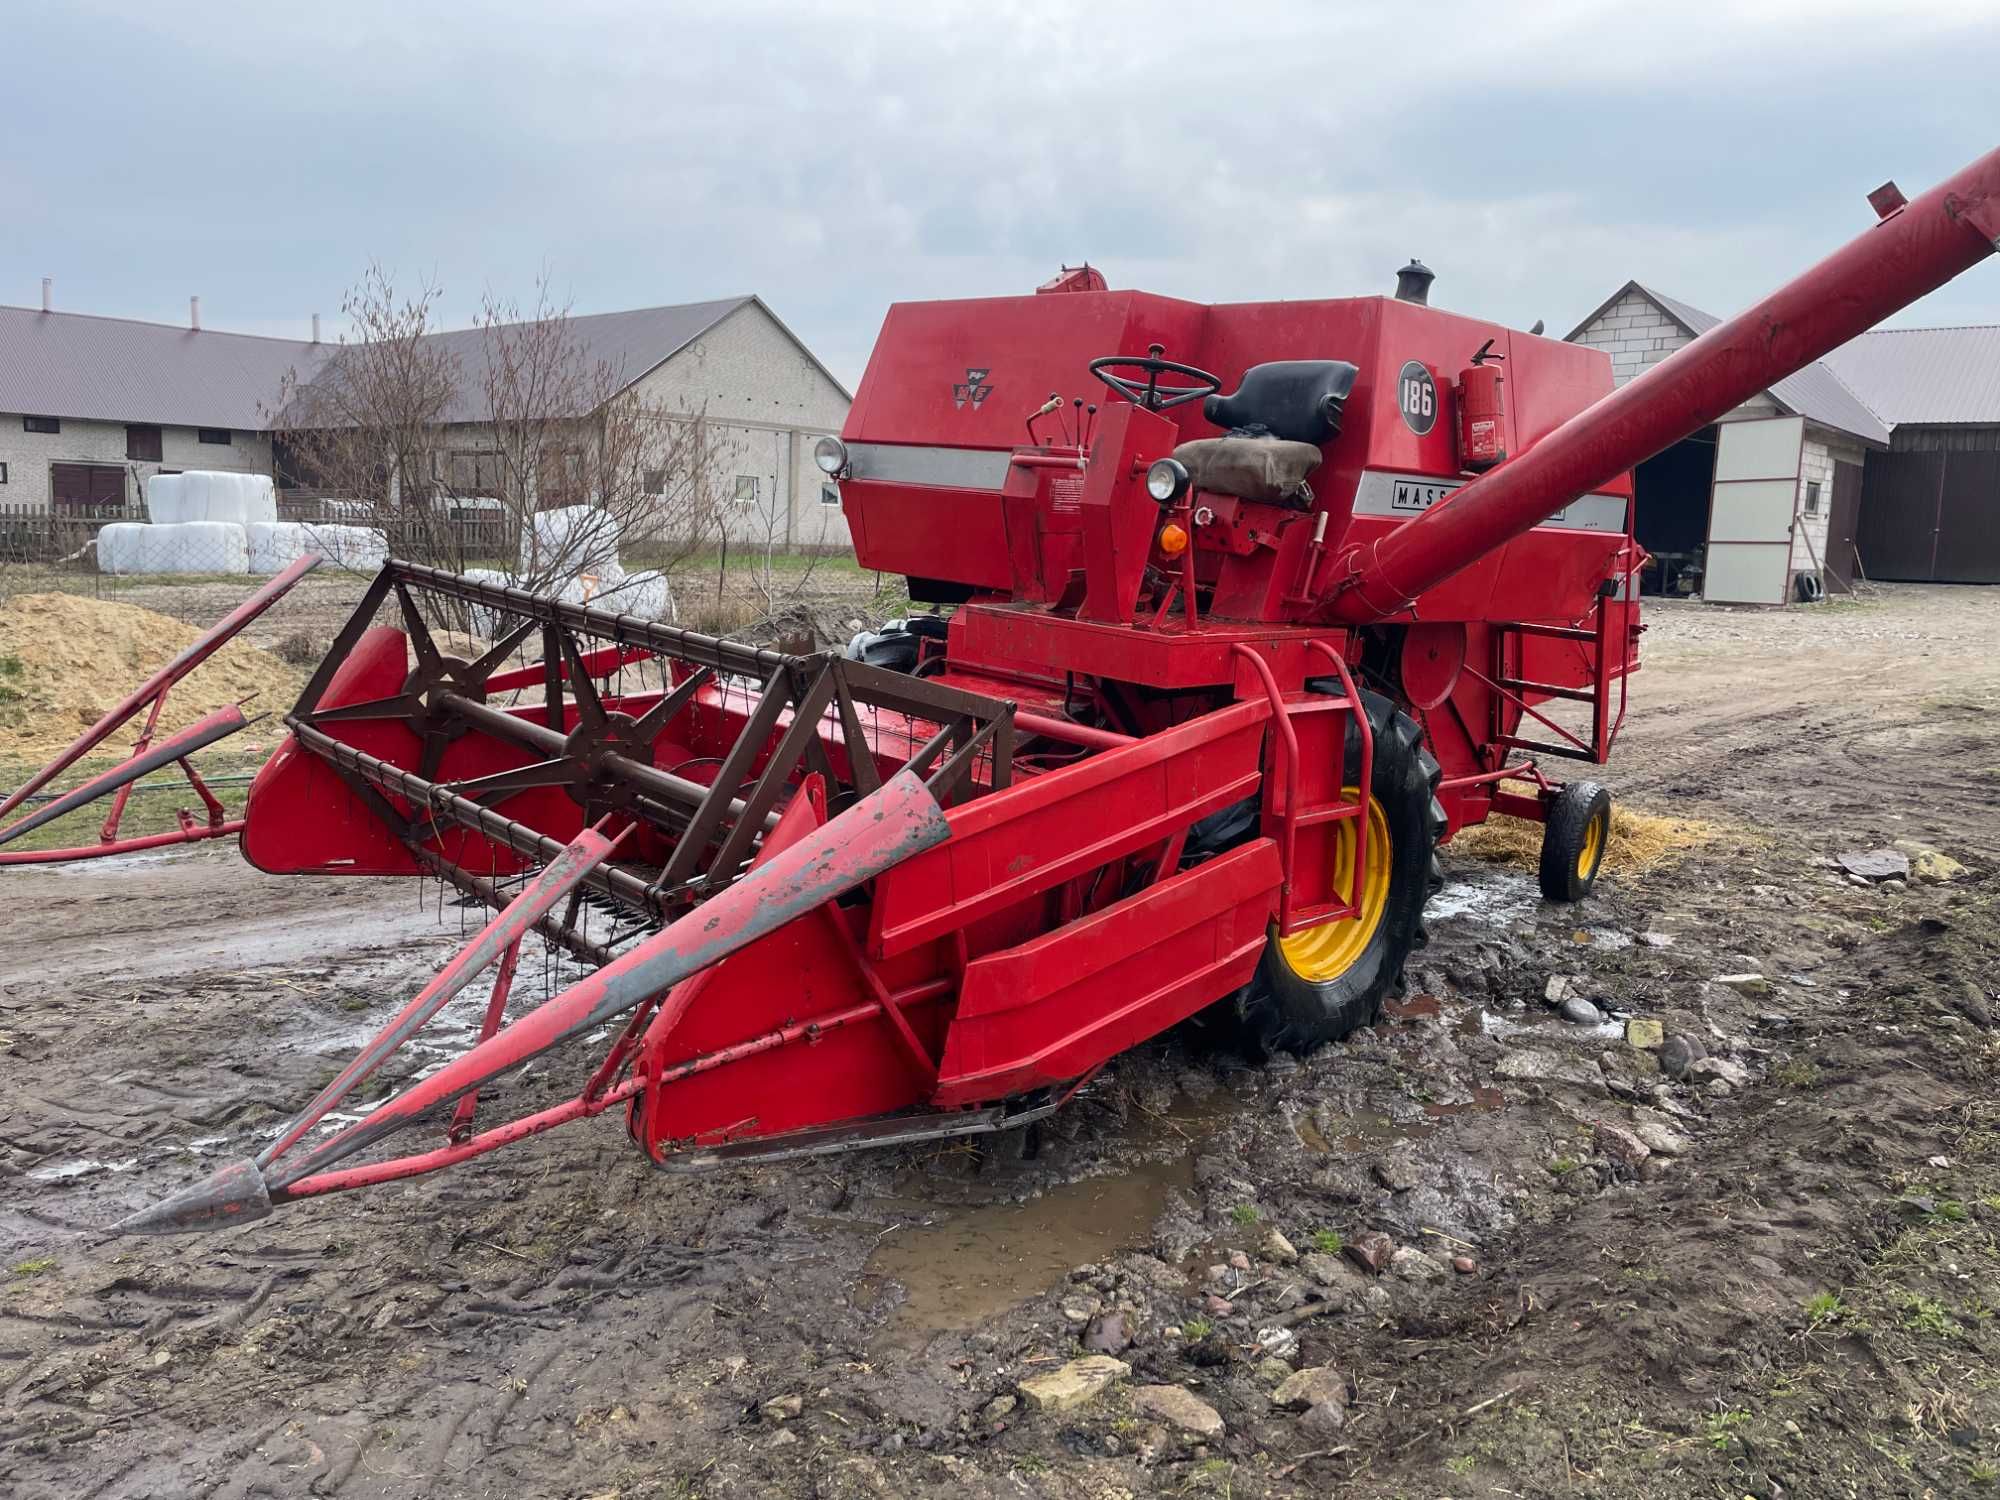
(1251, 468)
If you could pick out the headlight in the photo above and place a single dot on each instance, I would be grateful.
(1167, 481)
(830, 453)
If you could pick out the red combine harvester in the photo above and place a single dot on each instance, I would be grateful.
(1256, 604)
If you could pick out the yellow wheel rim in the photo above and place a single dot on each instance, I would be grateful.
(1593, 847)
(1318, 954)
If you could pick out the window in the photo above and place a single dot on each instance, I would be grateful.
(474, 471)
(215, 437)
(3, 473)
(86, 486)
(829, 494)
(142, 444)
(40, 424)
(746, 489)
(1812, 497)
(656, 481)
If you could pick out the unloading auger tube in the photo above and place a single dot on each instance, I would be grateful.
(1915, 248)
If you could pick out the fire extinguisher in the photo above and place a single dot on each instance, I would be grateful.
(1482, 439)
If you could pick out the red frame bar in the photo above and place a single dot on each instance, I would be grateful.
(156, 686)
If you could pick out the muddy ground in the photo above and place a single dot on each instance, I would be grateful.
(1787, 1288)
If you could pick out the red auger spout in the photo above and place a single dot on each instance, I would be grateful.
(1915, 249)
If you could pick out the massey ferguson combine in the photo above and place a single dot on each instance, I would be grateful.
(1254, 605)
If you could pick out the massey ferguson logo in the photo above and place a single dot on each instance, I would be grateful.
(973, 389)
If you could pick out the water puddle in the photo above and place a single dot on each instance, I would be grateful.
(968, 1263)
(1484, 1100)
(1546, 1024)
(1365, 1130)
(64, 1171)
(1485, 898)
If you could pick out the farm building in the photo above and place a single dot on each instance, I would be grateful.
(1930, 506)
(1770, 495)
(91, 407)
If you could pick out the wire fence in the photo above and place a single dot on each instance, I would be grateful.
(198, 572)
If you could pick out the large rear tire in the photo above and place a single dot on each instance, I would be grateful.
(1322, 984)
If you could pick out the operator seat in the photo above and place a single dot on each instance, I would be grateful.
(1278, 420)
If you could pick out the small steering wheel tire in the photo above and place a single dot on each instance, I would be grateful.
(1574, 838)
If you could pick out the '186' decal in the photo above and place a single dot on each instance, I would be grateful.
(1416, 398)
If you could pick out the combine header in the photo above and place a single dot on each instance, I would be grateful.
(1256, 604)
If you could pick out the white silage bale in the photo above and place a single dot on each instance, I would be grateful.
(575, 539)
(642, 595)
(166, 499)
(361, 548)
(274, 545)
(191, 547)
(118, 546)
(250, 497)
(483, 621)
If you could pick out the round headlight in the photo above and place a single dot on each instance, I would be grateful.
(1166, 481)
(830, 453)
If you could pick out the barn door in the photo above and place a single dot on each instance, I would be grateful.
(1843, 522)
(1750, 511)
(86, 486)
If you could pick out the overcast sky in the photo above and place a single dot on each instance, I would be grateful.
(837, 157)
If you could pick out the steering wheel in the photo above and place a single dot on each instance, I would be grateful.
(1152, 395)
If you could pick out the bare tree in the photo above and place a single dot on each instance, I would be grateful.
(460, 442)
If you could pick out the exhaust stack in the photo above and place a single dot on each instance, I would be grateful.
(1413, 283)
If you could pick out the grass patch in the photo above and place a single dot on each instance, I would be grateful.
(1923, 1314)
(1328, 1240)
(39, 1266)
(150, 809)
(1562, 1166)
(1799, 1073)
(1719, 1431)
(1244, 1214)
(1824, 1307)
(1197, 1329)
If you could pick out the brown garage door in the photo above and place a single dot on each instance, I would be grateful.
(1899, 516)
(75, 486)
(1968, 544)
(1842, 520)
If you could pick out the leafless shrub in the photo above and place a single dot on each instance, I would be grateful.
(456, 444)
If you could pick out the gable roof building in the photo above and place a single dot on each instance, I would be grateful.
(1628, 324)
(1926, 376)
(92, 406)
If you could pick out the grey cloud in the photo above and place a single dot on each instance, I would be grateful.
(837, 157)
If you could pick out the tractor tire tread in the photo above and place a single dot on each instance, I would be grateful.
(1279, 1012)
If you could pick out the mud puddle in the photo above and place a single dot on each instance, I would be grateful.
(966, 1263)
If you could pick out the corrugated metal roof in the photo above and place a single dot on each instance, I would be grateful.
(88, 368)
(1925, 374)
(58, 364)
(1815, 393)
(626, 343)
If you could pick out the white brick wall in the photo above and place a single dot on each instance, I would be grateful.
(29, 455)
(1635, 333)
(1822, 450)
(770, 403)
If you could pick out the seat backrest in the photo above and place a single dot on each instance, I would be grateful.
(1300, 400)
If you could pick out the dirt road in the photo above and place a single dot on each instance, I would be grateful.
(1773, 1275)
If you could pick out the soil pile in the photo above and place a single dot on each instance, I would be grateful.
(65, 659)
